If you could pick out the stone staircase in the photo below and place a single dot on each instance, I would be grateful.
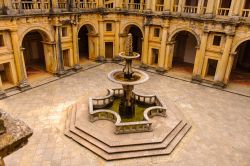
(100, 139)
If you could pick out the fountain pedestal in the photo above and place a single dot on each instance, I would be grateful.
(127, 104)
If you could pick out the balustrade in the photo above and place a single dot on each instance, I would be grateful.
(109, 5)
(223, 11)
(175, 8)
(62, 4)
(190, 9)
(245, 13)
(159, 7)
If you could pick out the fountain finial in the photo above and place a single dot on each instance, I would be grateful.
(129, 45)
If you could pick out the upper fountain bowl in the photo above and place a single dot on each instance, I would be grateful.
(117, 76)
(135, 55)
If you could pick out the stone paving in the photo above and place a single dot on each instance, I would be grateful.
(220, 121)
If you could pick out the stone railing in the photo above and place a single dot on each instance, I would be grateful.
(223, 11)
(190, 9)
(97, 111)
(133, 6)
(31, 5)
(175, 8)
(159, 7)
(203, 10)
(109, 5)
(245, 13)
(62, 4)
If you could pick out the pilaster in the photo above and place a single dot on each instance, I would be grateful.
(19, 61)
(163, 47)
(220, 74)
(75, 45)
(210, 9)
(145, 45)
(199, 58)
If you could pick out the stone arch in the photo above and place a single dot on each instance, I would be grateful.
(47, 36)
(184, 45)
(90, 26)
(239, 63)
(87, 46)
(172, 35)
(128, 25)
(39, 49)
(234, 47)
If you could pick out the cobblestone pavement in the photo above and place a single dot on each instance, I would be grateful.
(220, 120)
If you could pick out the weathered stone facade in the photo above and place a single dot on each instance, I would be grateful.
(109, 22)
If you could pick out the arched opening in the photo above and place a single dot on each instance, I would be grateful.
(84, 45)
(137, 38)
(241, 67)
(184, 52)
(34, 54)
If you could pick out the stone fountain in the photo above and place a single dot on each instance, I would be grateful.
(152, 126)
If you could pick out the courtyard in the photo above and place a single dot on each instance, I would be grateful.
(220, 122)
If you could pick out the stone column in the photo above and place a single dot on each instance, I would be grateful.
(101, 39)
(118, 4)
(220, 74)
(149, 5)
(117, 40)
(200, 6)
(163, 49)
(180, 5)
(60, 66)
(229, 67)
(100, 4)
(210, 9)
(167, 7)
(153, 5)
(145, 45)
(19, 61)
(199, 58)
(77, 65)
(54, 4)
(169, 55)
(236, 7)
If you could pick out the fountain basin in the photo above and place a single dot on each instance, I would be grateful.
(117, 76)
(135, 55)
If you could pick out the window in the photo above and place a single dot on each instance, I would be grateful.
(217, 40)
(109, 27)
(64, 31)
(156, 32)
(1, 41)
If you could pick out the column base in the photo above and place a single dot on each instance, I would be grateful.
(77, 67)
(24, 85)
(2, 94)
(100, 59)
(196, 79)
(219, 85)
(144, 66)
(160, 70)
(61, 73)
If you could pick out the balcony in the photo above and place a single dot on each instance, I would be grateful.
(159, 7)
(190, 9)
(134, 6)
(85, 5)
(62, 4)
(223, 11)
(109, 5)
(245, 13)
(31, 5)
